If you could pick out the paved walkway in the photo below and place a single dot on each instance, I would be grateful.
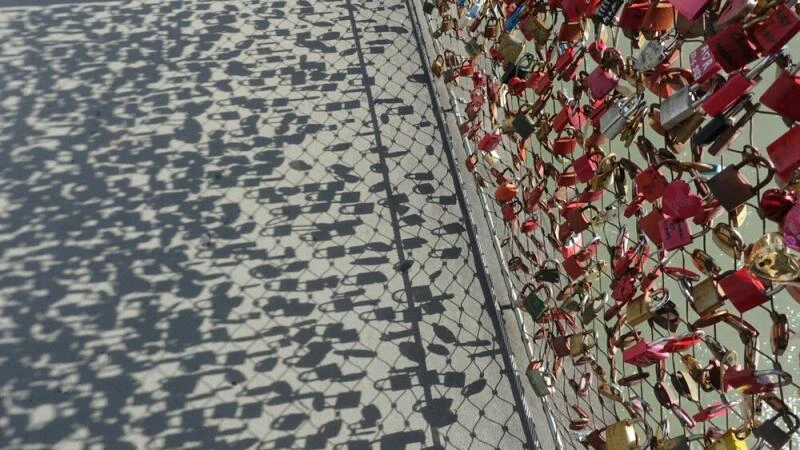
(232, 224)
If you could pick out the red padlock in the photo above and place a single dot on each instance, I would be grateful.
(586, 165)
(744, 290)
(783, 95)
(649, 224)
(679, 201)
(691, 9)
(783, 152)
(776, 30)
(478, 79)
(579, 9)
(577, 220)
(570, 115)
(574, 265)
(529, 225)
(511, 210)
(651, 183)
(751, 382)
(624, 288)
(674, 233)
(737, 86)
(565, 145)
(703, 64)
(489, 141)
(731, 48)
(531, 197)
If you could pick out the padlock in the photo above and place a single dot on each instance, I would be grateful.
(691, 9)
(427, 7)
(616, 119)
(681, 105)
(776, 30)
(571, 115)
(751, 381)
(541, 382)
(523, 123)
(586, 165)
(732, 48)
(572, 31)
(644, 354)
(685, 385)
(641, 308)
(732, 189)
(491, 29)
(566, 142)
(651, 183)
(679, 442)
(734, 11)
(679, 202)
(534, 27)
(505, 192)
(706, 296)
(649, 224)
(447, 23)
(437, 66)
(735, 88)
(703, 63)
(511, 210)
(718, 125)
(773, 435)
(600, 82)
(577, 220)
(783, 95)
(575, 265)
(489, 141)
(581, 343)
(510, 46)
(729, 134)
(548, 272)
(622, 435)
(656, 51)
(532, 302)
(729, 441)
(567, 62)
(783, 152)
(744, 290)
(591, 308)
(607, 11)
(674, 233)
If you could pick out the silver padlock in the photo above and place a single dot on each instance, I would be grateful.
(656, 51)
(541, 382)
(614, 121)
(681, 105)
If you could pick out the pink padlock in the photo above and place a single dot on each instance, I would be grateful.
(679, 201)
(674, 233)
(644, 354)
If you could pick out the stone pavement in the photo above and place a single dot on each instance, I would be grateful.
(233, 224)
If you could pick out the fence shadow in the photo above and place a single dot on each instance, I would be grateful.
(229, 225)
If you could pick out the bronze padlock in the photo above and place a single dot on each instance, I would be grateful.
(732, 189)
(706, 296)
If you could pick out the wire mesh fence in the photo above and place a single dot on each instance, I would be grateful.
(577, 409)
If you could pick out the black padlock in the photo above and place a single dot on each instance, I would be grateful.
(427, 7)
(711, 131)
(773, 435)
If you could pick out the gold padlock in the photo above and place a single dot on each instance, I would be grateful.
(706, 296)
(578, 344)
(622, 436)
(642, 307)
(729, 441)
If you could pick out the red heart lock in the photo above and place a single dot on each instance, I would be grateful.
(679, 201)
